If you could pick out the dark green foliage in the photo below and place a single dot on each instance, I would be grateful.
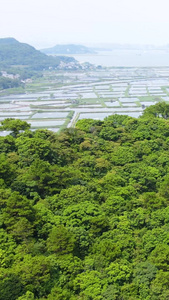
(10, 286)
(84, 215)
(7, 144)
(60, 241)
(6, 83)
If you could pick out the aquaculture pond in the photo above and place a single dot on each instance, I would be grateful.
(98, 93)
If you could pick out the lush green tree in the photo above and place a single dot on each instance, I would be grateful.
(14, 125)
(89, 285)
(30, 149)
(89, 125)
(160, 109)
(7, 172)
(10, 285)
(17, 215)
(34, 274)
(60, 241)
(27, 296)
(7, 144)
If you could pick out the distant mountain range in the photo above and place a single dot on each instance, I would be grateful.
(16, 54)
(68, 49)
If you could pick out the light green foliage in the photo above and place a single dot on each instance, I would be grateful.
(7, 248)
(73, 195)
(160, 109)
(118, 273)
(88, 215)
(27, 296)
(88, 125)
(30, 149)
(14, 125)
(109, 133)
(34, 273)
(90, 285)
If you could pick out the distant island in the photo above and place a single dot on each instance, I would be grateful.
(68, 49)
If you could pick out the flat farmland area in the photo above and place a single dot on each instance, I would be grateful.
(60, 98)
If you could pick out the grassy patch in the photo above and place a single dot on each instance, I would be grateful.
(138, 103)
(164, 89)
(12, 91)
(147, 98)
(102, 102)
(127, 91)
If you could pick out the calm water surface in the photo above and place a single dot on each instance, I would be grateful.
(127, 58)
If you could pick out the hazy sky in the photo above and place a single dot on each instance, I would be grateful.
(48, 22)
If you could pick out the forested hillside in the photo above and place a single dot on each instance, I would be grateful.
(84, 214)
(16, 54)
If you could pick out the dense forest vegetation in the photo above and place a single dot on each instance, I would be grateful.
(7, 83)
(84, 214)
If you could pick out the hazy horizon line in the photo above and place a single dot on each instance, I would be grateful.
(49, 44)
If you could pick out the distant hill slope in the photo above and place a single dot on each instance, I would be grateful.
(14, 53)
(68, 49)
